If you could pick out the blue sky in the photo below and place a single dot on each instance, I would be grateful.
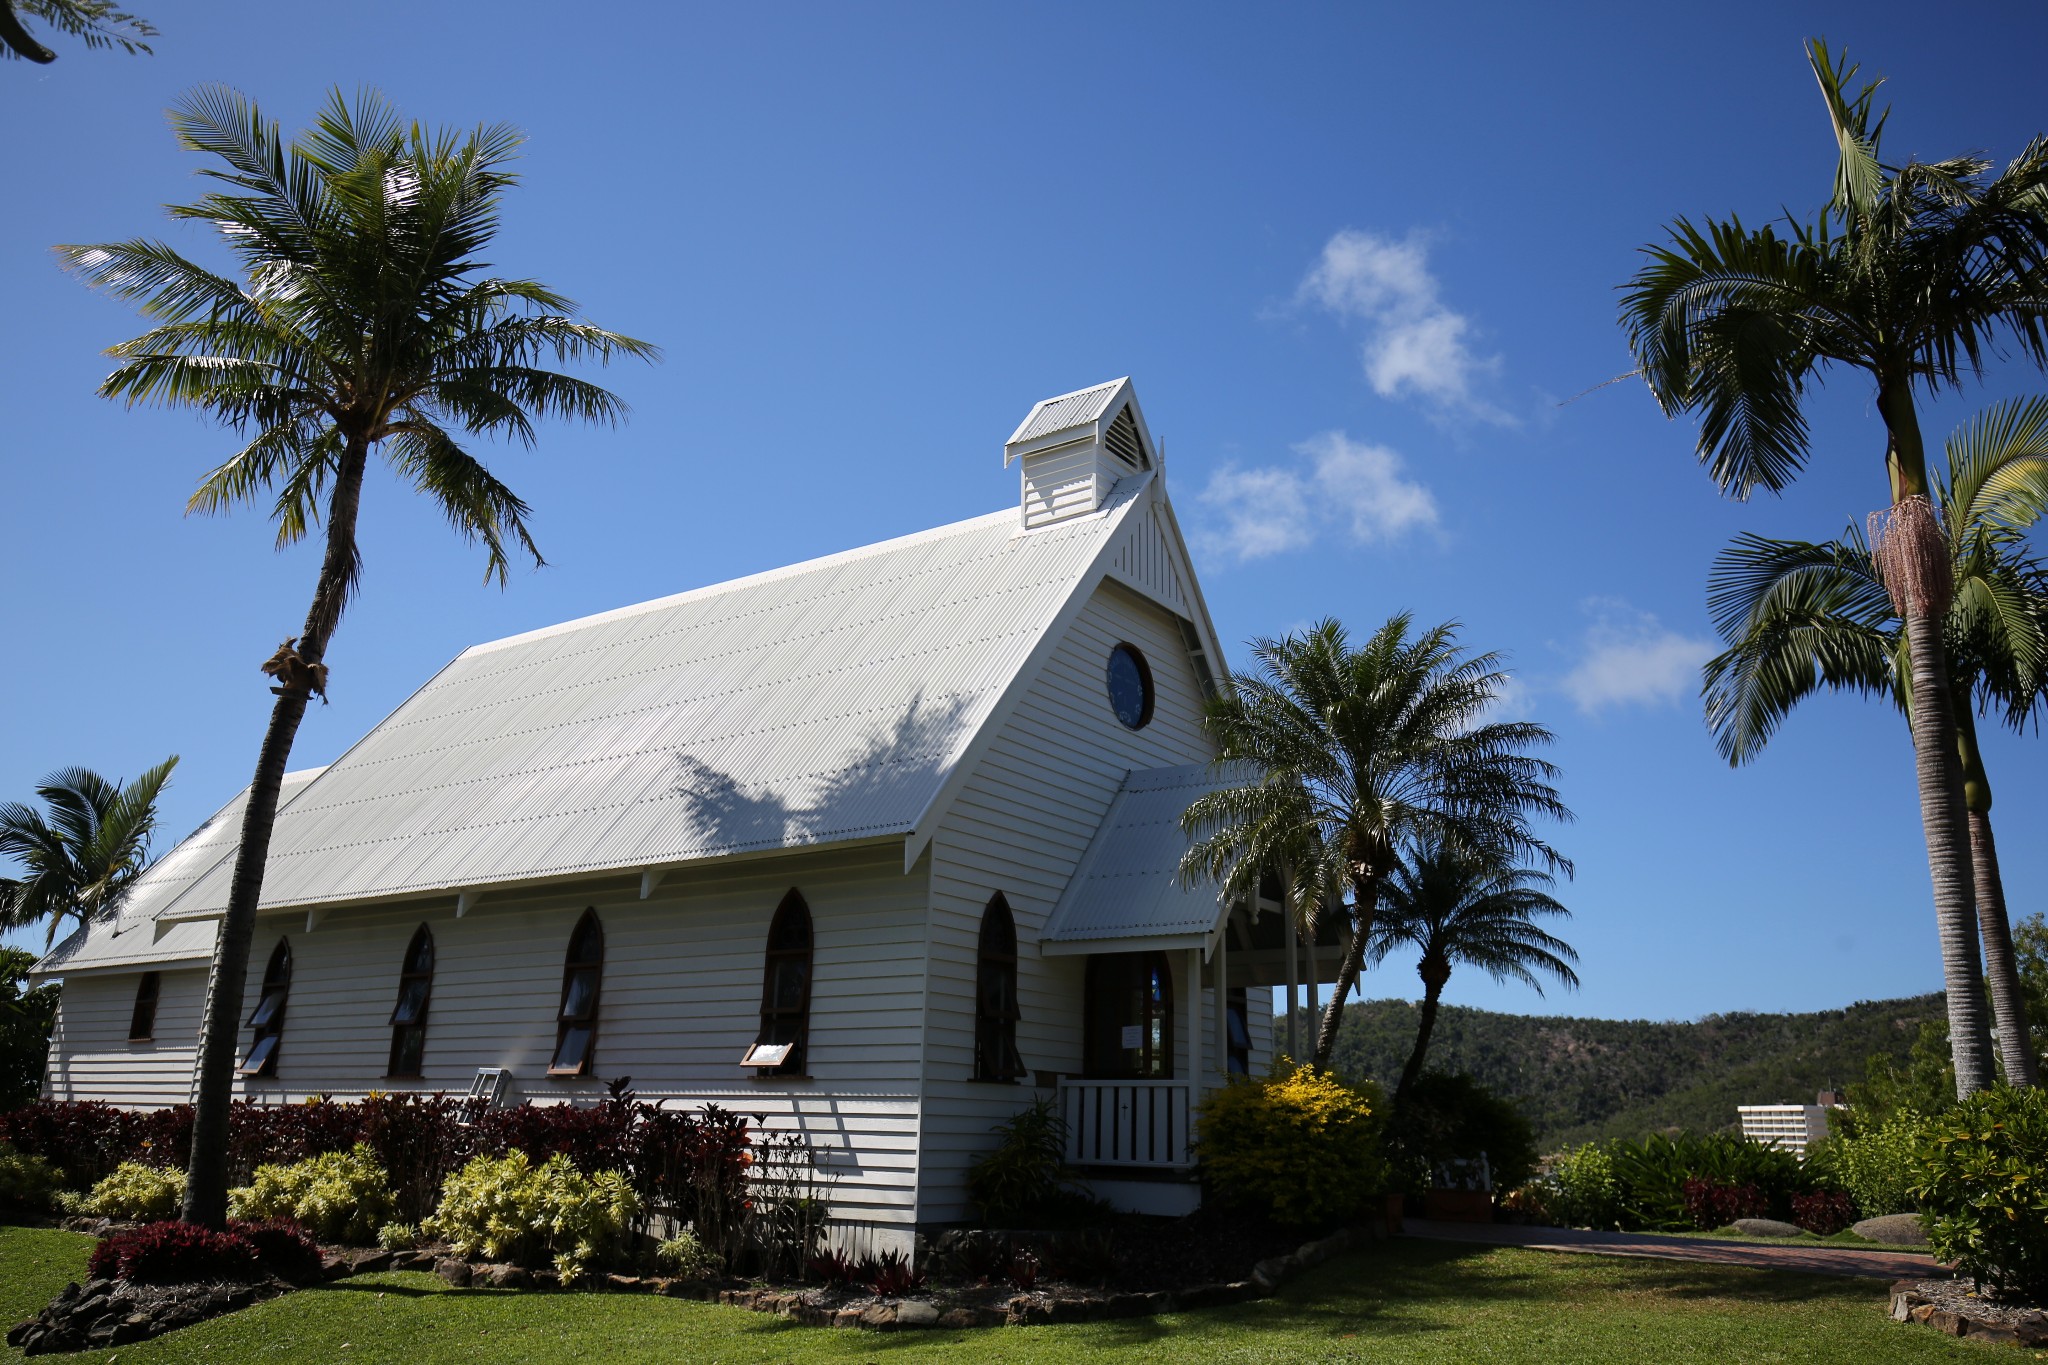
(1359, 260)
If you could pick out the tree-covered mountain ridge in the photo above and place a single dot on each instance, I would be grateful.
(1583, 1079)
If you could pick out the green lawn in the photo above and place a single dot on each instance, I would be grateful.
(1397, 1301)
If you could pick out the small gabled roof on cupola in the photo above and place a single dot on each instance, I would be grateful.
(1107, 413)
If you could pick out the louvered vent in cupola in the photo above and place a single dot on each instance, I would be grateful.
(1076, 447)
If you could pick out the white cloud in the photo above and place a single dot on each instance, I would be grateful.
(1357, 487)
(1630, 659)
(1414, 344)
(1512, 700)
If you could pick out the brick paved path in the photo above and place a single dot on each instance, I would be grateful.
(1883, 1265)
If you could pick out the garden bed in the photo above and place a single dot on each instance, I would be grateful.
(1953, 1307)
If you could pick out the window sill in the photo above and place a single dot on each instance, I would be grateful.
(762, 1077)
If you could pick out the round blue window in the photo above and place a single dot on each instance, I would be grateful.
(1130, 686)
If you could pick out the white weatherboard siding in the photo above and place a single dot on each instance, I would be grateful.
(1020, 826)
(679, 1005)
(91, 1057)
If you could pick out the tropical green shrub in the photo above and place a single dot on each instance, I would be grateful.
(1025, 1177)
(1653, 1174)
(133, 1191)
(336, 1196)
(28, 1184)
(1983, 1189)
(1877, 1166)
(1299, 1147)
(1449, 1118)
(687, 1258)
(1583, 1191)
(508, 1209)
(399, 1236)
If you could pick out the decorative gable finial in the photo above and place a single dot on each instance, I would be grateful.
(1076, 447)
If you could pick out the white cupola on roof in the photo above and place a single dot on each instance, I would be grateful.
(1076, 447)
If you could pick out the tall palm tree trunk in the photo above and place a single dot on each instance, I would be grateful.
(1434, 976)
(1366, 894)
(2001, 970)
(206, 1185)
(1914, 561)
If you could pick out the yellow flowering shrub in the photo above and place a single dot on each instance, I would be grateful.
(1299, 1147)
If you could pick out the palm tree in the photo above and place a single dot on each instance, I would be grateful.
(1798, 617)
(1911, 274)
(76, 861)
(95, 21)
(1456, 905)
(1341, 755)
(364, 322)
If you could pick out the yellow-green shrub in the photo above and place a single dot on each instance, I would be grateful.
(508, 1209)
(1983, 1189)
(336, 1196)
(27, 1182)
(133, 1190)
(1299, 1147)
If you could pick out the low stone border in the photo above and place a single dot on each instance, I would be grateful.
(1031, 1309)
(104, 1313)
(1947, 1306)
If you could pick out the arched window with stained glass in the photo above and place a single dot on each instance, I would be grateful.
(780, 1048)
(266, 1021)
(409, 1015)
(576, 1019)
(996, 1010)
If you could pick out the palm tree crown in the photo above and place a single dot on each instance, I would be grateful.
(77, 861)
(362, 318)
(1455, 906)
(1347, 752)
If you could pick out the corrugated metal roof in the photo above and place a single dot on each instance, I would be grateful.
(814, 704)
(1069, 410)
(130, 937)
(1128, 884)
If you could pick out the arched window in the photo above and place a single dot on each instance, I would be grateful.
(142, 1022)
(576, 1021)
(995, 996)
(267, 1022)
(785, 993)
(409, 1015)
(1130, 1016)
(1239, 1025)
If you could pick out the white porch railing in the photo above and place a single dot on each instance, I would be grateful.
(1128, 1123)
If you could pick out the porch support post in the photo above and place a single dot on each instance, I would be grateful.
(1293, 980)
(1223, 1001)
(1194, 1009)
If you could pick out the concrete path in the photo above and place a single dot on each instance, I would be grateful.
(1882, 1265)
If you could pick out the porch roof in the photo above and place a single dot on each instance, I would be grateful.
(1127, 892)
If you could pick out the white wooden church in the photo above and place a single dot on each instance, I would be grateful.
(881, 846)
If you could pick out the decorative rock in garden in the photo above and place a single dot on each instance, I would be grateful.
(1897, 1229)
(104, 1313)
(1766, 1227)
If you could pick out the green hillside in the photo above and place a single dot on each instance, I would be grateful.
(1579, 1079)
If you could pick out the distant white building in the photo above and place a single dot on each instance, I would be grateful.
(882, 846)
(1791, 1126)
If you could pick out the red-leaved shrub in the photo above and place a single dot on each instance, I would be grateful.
(175, 1253)
(1824, 1212)
(1713, 1205)
(282, 1248)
